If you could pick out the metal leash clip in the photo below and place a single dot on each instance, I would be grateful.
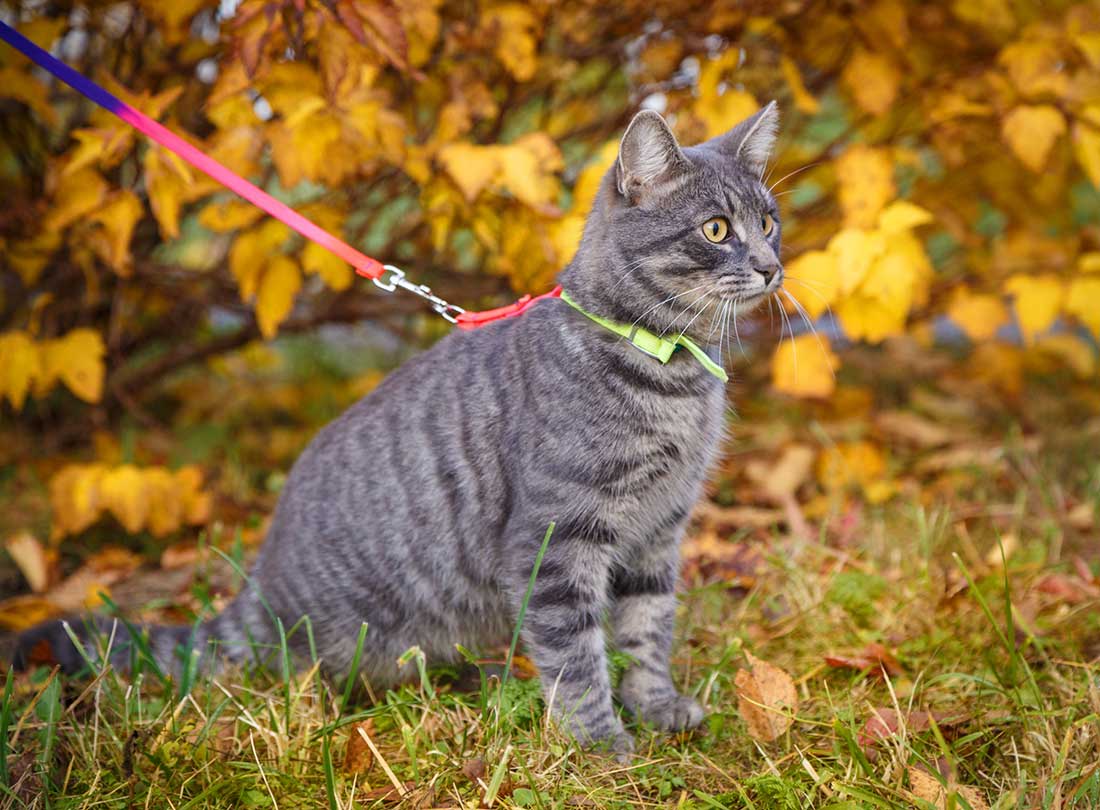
(394, 277)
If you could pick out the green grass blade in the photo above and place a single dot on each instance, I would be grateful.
(523, 605)
(353, 673)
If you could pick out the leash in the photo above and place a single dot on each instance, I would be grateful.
(385, 276)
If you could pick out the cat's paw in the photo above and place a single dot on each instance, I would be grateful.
(620, 746)
(675, 712)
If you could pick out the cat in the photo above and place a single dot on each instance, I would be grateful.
(421, 509)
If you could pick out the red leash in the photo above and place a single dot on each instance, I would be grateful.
(364, 265)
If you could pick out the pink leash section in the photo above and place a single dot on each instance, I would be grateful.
(364, 265)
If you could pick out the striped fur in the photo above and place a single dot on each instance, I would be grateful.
(420, 510)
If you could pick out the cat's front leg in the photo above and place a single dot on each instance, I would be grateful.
(643, 615)
(563, 632)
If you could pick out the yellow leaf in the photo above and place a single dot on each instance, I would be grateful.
(566, 233)
(803, 100)
(25, 611)
(588, 182)
(816, 280)
(979, 315)
(526, 170)
(1086, 142)
(1089, 262)
(333, 270)
(1088, 43)
(1083, 302)
(78, 194)
(869, 318)
(1036, 67)
(1071, 351)
(902, 216)
(229, 215)
(74, 498)
(251, 251)
(848, 464)
(804, 366)
(104, 146)
(721, 112)
(866, 183)
(118, 218)
(1037, 301)
(166, 188)
(855, 251)
(515, 27)
(275, 297)
(996, 16)
(19, 366)
(1031, 132)
(165, 501)
(77, 360)
(873, 81)
(471, 167)
(24, 87)
(196, 503)
(122, 492)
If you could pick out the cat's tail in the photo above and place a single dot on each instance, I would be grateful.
(74, 643)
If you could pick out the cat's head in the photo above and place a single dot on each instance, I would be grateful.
(678, 237)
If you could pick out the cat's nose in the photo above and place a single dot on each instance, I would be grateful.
(768, 272)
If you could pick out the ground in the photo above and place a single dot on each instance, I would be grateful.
(889, 601)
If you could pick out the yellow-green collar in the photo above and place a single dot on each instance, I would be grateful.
(654, 345)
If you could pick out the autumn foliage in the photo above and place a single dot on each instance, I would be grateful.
(939, 171)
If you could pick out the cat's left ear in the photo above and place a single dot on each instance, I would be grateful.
(752, 140)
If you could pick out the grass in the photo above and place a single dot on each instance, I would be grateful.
(1016, 707)
(957, 574)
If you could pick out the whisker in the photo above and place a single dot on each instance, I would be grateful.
(668, 300)
(810, 325)
(794, 344)
(697, 314)
(735, 331)
(792, 174)
(811, 290)
(690, 306)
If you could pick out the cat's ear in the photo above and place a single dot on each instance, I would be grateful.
(752, 140)
(649, 157)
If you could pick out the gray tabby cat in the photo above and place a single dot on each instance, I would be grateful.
(421, 510)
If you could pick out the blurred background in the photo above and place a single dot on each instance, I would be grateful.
(166, 351)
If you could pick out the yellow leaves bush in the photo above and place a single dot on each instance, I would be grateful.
(151, 498)
(76, 359)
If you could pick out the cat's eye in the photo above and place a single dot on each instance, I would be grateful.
(768, 224)
(717, 229)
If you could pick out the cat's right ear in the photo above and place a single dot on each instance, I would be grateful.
(649, 157)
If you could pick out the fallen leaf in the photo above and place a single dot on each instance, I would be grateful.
(910, 427)
(32, 559)
(1071, 590)
(766, 699)
(357, 756)
(873, 658)
(1037, 301)
(926, 787)
(779, 481)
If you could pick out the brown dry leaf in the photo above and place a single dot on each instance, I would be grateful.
(33, 560)
(781, 480)
(910, 427)
(928, 788)
(885, 723)
(1067, 588)
(766, 699)
(873, 658)
(358, 757)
